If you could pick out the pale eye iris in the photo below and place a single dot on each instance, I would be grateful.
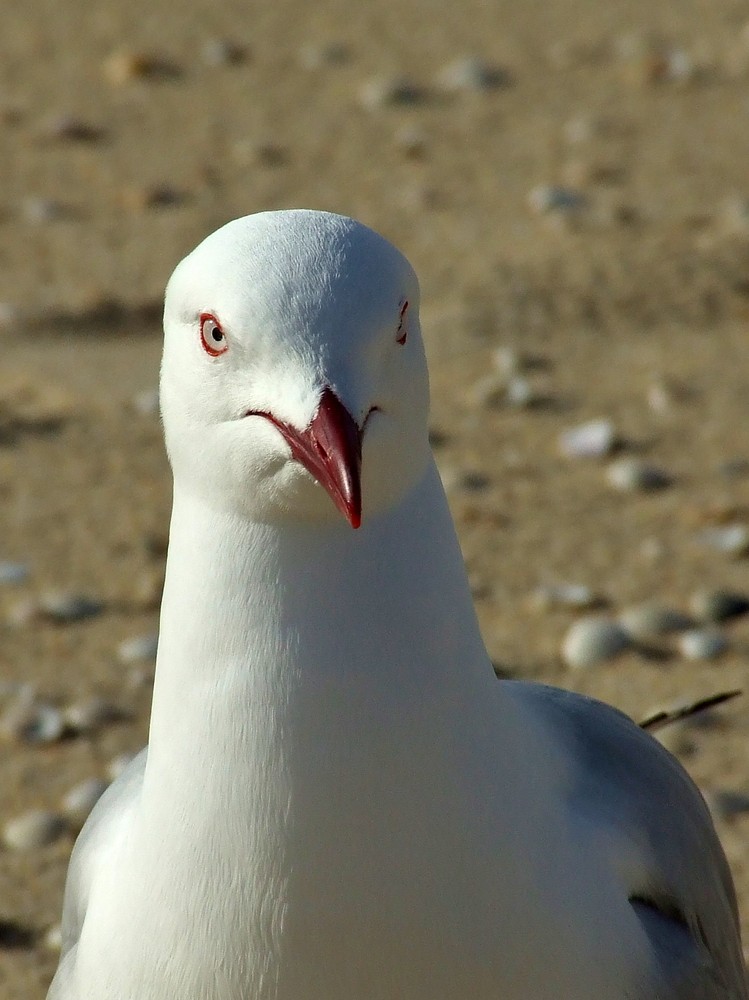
(212, 336)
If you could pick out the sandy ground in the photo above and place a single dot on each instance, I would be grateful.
(129, 132)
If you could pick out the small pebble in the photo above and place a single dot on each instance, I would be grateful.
(43, 724)
(53, 938)
(148, 588)
(581, 171)
(590, 641)
(34, 829)
(412, 141)
(222, 52)
(594, 439)
(40, 210)
(15, 936)
(548, 198)
(507, 361)
(702, 644)
(450, 476)
(475, 482)
(139, 679)
(81, 799)
(271, 154)
(731, 539)
(652, 549)
(725, 804)
(490, 390)
(519, 392)
(140, 647)
(651, 619)
(68, 128)
(668, 66)
(68, 607)
(647, 60)
(263, 153)
(150, 196)
(314, 56)
(471, 73)
(565, 595)
(438, 438)
(90, 714)
(156, 544)
(718, 605)
(632, 474)
(660, 397)
(580, 129)
(389, 92)
(13, 572)
(126, 65)
(734, 468)
(680, 66)
(734, 216)
(122, 67)
(10, 314)
(146, 402)
(28, 720)
(118, 764)
(481, 589)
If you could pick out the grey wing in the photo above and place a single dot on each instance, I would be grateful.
(683, 893)
(91, 851)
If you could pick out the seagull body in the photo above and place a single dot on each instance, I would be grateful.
(339, 801)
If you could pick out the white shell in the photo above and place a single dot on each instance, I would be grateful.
(718, 605)
(590, 641)
(53, 938)
(566, 595)
(733, 539)
(90, 714)
(633, 474)
(33, 829)
(645, 621)
(549, 198)
(30, 721)
(13, 572)
(139, 647)
(594, 439)
(702, 644)
(68, 607)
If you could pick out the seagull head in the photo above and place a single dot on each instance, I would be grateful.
(293, 381)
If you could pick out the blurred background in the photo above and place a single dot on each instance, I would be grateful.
(569, 180)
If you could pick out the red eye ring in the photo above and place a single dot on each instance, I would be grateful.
(212, 337)
(402, 333)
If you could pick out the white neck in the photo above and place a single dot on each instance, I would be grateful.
(287, 659)
(289, 609)
(311, 682)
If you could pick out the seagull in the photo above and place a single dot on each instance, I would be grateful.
(339, 800)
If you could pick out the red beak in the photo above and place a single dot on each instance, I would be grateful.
(330, 450)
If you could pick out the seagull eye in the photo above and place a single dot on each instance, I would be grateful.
(212, 337)
(402, 331)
